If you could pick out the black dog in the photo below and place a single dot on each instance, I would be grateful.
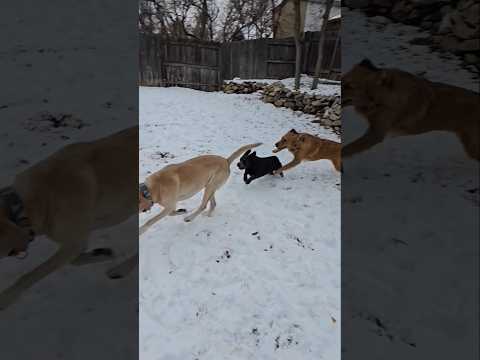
(257, 167)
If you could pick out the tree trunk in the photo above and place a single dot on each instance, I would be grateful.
(334, 54)
(203, 19)
(318, 65)
(274, 21)
(298, 44)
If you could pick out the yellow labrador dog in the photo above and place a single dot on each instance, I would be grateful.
(80, 188)
(179, 182)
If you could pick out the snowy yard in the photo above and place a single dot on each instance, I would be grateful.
(261, 278)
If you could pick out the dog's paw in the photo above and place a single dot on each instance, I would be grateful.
(187, 219)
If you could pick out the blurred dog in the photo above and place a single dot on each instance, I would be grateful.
(256, 167)
(397, 103)
(78, 189)
(306, 147)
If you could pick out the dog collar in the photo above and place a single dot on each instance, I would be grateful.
(12, 202)
(145, 192)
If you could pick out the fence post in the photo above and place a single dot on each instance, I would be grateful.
(221, 74)
(334, 53)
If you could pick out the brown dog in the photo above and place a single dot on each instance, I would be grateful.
(78, 189)
(306, 147)
(395, 102)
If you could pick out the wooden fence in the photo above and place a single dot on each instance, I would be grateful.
(205, 65)
(190, 64)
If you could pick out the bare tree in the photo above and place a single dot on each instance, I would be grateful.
(199, 19)
(298, 34)
(321, 42)
(179, 18)
(204, 20)
(247, 19)
(274, 21)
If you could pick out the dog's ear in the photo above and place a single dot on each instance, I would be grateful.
(368, 64)
(293, 131)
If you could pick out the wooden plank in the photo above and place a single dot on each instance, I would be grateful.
(280, 62)
(193, 66)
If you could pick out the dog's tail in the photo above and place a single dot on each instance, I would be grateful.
(240, 151)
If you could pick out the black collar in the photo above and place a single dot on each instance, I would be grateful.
(145, 192)
(12, 202)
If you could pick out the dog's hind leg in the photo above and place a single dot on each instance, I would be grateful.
(213, 204)
(208, 193)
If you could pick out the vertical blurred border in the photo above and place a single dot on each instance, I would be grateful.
(69, 75)
(410, 204)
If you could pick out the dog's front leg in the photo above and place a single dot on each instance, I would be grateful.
(245, 177)
(372, 137)
(290, 165)
(165, 212)
(63, 256)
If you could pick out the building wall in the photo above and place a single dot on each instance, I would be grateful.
(310, 15)
(314, 15)
(286, 19)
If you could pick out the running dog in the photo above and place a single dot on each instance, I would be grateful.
(306, 147)
(256, 167)
(179, 182)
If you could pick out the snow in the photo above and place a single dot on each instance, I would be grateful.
(413, 184)
(325, 87)
(261, 278)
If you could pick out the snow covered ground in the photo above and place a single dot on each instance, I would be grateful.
(325, 87)
(261, 278)
(409, 187)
